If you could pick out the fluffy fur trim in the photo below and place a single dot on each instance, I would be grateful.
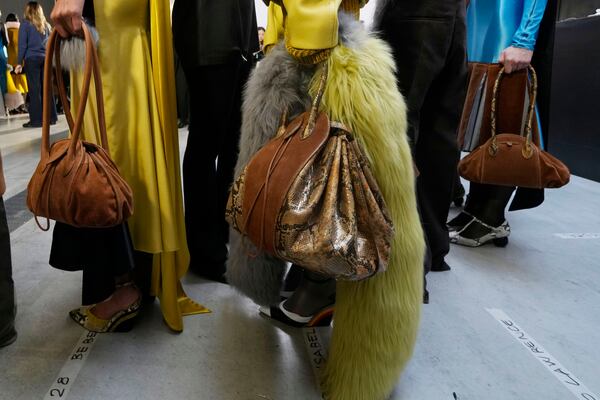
(278, 83)
(72, 51)
(376, 320)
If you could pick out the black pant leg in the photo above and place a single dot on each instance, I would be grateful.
(488, 202)
(228, 151)
(428, 41)
(34, 72)
(437, 152)
(210, 155)
(103, 255)
(34, 69)
(7, 294)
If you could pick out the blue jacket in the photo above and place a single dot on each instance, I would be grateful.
(32, 44)
(493, 25)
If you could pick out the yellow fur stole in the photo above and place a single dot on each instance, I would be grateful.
(376, 320)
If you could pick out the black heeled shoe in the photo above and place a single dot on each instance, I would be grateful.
(8, 336)
(31, 125)
(321, 318)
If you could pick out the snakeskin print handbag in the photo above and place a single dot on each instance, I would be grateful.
(309, 197)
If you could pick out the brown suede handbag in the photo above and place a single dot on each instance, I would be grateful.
(510, 159)
(309, 197)
(76, 182)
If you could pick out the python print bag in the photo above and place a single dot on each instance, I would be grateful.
(309, 197)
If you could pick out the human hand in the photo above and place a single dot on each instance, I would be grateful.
(67, 16)
(515, 58)
(18, 69)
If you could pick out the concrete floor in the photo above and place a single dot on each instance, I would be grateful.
(546, 283)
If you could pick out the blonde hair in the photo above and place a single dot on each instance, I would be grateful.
(35, 14)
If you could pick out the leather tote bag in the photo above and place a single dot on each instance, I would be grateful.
(76, 182)
(511, 159)
(309, 197)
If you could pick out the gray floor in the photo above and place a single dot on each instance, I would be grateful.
(547, 285)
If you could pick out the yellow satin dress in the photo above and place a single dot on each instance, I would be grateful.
(136, 61)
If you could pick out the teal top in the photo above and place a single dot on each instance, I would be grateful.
(494, 25)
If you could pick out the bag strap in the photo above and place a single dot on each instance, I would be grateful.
(314, 110)
(91, 67)
(532, 89)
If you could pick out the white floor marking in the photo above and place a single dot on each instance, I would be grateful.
(572, 236)
(68, 374)
(572, 383)
(316, 352)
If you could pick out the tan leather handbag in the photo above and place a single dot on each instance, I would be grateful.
(511, 159)
(76, 182)
(309, 197)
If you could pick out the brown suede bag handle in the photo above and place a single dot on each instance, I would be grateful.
(91, 67)
(532, 87)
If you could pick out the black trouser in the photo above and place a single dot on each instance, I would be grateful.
(210, 156)
(428, 38)
(103, 255)
(182, 92)
(7, 293)
(34, 68)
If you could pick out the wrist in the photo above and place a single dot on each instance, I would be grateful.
(523, 45)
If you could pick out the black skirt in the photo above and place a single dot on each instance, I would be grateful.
(102, 254)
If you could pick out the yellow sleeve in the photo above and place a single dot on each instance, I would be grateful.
(274, 32)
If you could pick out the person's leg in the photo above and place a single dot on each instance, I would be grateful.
(311, 303)
(34, 72)
(486, 206)
(115, 257)
(212, 91)
(228, 149)
(110, 250)
(7, 296)
(52, 104)
(432, 72)
(292, 280)
(314, 292)
(419, 46)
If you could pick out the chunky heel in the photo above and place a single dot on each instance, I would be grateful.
(501, 242)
